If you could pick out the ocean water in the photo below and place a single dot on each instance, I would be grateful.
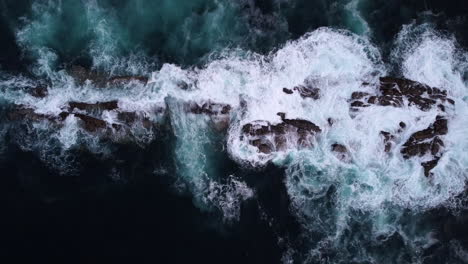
(191, 187)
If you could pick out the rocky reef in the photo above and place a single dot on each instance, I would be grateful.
(265, 136)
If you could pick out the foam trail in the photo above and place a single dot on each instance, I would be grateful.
(196, 157)
(356, 22)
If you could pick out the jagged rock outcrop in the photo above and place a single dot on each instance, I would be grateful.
(427, 142)
(398, 92)
(90, 115)
(269, 137)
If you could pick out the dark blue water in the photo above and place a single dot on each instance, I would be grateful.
(125, 203)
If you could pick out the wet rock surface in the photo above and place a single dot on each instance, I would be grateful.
(40, 91)
(91, 120)
(306, 90)
(90, 123)
(87, 115)
(341, 152)
(21, 112)
(399, 92)
(208, 108)
(93, 107)
(427, 142)
(269, 137)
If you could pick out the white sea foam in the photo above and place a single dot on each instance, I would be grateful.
(229, 196)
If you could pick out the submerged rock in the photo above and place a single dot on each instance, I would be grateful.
(21, 112)
(40, 91)
(91, 124)
(82, 75)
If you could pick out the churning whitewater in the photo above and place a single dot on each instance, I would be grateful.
(369, 141)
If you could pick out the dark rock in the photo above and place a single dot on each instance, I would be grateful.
(402, 125)
(303, 124)
(39, 91)
(256, 129)
(93, 107)
(20, 113)
(308, 92)
(91, 124)
(183, 85)
(127, 117)
(358, 95)
(282, 115)
(263, 145)
(339, 148)
(81, 75)
(63, 116)
(359, 104)
(341, 152)
(394, 92)
(23, 113)
(440, 126)
(225, 109)
(209, 108)
(287, 91)
(427, 141)
(372, 100)
(260, 133)
(429, 165)
(388, 137)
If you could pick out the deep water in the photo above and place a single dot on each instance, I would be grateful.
(188, 191)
